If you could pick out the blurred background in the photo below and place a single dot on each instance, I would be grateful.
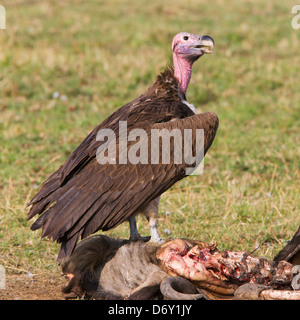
(66, 65)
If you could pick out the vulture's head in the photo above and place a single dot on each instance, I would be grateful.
(191, 46)
(187, 48)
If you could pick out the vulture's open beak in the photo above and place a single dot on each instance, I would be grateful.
(206, 44)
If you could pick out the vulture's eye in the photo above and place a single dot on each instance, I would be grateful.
(185, 38)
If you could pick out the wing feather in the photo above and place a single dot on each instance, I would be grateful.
(84, 196)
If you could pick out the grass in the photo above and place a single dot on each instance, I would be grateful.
(65, 66)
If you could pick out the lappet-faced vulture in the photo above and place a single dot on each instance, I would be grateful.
(87, 194)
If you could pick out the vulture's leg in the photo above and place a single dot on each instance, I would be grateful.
(153, 229)
(134, 234)
(151, 213)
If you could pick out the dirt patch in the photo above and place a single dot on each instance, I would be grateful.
(37, 287)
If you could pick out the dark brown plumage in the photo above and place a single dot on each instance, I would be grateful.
(82, 196)
(291, 252)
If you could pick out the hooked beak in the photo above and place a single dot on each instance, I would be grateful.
(206, 44)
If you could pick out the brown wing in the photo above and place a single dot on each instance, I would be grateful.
(291, 252)
(103, 196)
(139, 112)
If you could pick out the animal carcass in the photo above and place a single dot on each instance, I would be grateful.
(106, 268)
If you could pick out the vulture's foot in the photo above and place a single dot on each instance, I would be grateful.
(138, 237)
(134, 234)
(156, 239)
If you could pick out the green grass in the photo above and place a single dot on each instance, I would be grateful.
(102, 54)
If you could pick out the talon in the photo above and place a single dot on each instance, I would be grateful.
(156, 240)
(139, 238)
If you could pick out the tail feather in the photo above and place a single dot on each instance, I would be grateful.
(49, 186)
(67, 247)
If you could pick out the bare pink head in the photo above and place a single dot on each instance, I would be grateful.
(187, 48)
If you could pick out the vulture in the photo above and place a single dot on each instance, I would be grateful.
(86, 195)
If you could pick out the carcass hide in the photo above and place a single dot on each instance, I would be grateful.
(106, 268)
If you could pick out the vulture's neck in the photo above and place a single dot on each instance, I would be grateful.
(182, 71)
